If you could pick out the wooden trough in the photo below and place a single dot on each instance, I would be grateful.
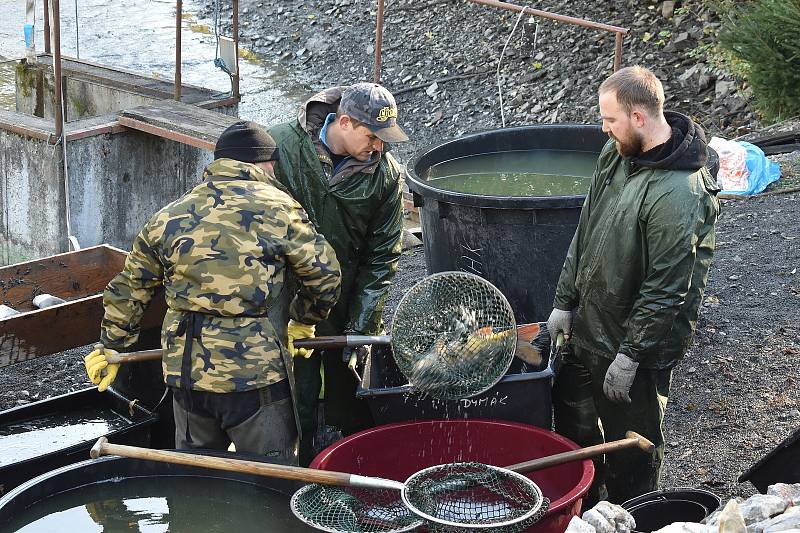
(77, 277)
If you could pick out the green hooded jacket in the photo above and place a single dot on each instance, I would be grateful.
(358, 210)
(638, 264)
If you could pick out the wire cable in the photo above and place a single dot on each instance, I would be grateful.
(500, 64)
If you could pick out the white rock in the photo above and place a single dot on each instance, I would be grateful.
(790, 493)
(600, 523)
(622, 521)
(783, 522)
(576, 525)
(687, 527)
(762, 506)
(731, 519)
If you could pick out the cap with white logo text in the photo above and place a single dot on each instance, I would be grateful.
(375, 107)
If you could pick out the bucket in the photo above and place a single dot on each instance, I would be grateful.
(396, 451)
(516, 242)
(657, 509)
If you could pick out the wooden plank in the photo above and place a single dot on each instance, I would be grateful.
(70, 276)
(79, 277)
(126, 80)
(179, 122)
(27, 125)
(91, 126)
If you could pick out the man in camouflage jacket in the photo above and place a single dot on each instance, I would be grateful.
(222, 252)
(335, 163)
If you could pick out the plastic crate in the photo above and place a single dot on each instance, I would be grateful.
(522, 395)
(132, 426)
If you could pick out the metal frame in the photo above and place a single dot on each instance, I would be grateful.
(617, 30)
(53, 34)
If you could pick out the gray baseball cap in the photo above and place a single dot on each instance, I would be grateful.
(374, 106)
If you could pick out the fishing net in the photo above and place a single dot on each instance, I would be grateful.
(473, 496)
(453, 335)
(353, 509)
(448, 498)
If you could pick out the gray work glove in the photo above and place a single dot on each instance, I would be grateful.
(559, 321)
(619, 378)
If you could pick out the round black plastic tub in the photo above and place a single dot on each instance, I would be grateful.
(517, 243)
(657, 509)
(89, 472)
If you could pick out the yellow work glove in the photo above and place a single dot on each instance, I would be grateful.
(296, 330)
(100, 372)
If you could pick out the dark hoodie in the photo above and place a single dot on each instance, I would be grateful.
(687, 149)
(638, 264)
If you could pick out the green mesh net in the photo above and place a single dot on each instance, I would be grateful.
(453, 335)
(446, 498)
(474, 497)
(353, 509)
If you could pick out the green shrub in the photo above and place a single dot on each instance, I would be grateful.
(764, 36)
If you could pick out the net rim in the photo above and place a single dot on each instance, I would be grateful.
(474, 277)
(293, 506)
(524, 480)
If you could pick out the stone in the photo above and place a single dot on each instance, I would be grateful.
(762, 506)
(668, 9)
(789, 520)
(723, 88)
(576, 525)
(790, 493)
(704, 81)
(687, 527)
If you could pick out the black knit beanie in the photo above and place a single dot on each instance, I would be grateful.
(247, 142)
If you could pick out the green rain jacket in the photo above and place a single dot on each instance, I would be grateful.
(638, 264)
(358, 210)
(222, 251)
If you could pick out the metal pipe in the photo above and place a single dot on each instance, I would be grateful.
(46, 26)
(178, 21)
(552, 16)
(236, 93)
(56, 36)
(378, 42)
(618, 51)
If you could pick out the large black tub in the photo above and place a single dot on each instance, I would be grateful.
(518, 242)
(119, 494)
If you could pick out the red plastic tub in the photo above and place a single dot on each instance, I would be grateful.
(396, 451)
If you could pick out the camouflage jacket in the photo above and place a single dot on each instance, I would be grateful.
(221, 252)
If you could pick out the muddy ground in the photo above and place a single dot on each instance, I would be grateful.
(734, 397)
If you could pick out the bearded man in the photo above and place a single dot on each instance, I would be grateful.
(630, 291)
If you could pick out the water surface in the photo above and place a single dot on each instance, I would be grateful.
(517, 173)
(161, 504)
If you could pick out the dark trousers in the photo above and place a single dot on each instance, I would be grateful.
(342, 409)
(259, 421)
(584, 414)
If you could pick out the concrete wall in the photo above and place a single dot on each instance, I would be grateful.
(83, 98)
(117, 182)
(31, 199)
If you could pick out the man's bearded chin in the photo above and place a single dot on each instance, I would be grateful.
(629, 149)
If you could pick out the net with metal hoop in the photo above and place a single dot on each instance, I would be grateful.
(355, 510)
(446, 498)
(474, 497)
(453, 335)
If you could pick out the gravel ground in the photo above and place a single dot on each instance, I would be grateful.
(440, 57)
